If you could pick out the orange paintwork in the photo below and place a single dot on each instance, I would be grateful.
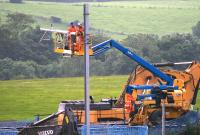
(186, 81)
(97, 115)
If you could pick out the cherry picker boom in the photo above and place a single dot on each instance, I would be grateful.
(102, 47)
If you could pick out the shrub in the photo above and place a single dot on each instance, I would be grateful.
(55, 19)
(15, 1)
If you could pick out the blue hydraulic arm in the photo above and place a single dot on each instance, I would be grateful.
(130, 88)
(104, 46)
(147, 87)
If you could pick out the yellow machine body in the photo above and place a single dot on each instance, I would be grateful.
(183, 99)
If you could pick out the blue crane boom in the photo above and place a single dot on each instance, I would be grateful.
(104, 46)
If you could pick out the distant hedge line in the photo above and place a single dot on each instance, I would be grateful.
(71, 1)
(21, 56)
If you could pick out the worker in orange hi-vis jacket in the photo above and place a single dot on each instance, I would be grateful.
(80, 36)
(80, 31)
(72, 34)
(80, 28)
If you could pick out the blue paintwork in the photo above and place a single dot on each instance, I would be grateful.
(104, 46)
(130, 88)
(146, 87)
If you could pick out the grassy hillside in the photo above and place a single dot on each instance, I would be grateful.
(118, 18)
(22, 99)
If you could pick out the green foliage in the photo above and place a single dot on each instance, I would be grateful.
(15, 1)
(19, 41)
(179, 47)
(55, 19)
(10, 69)
(20, 49)
(145, 45)
(196, 30)
(19, 20)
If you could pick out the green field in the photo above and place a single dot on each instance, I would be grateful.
(116, 18)
(22, 99)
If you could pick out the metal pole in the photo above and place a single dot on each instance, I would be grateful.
(87, 62)
(163, 117)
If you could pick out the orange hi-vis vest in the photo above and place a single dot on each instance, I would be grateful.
(80, 29)
(128, 103)
(72, 30)
(129, 99)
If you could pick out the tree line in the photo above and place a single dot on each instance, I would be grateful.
(22, 56)
(67, 1)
